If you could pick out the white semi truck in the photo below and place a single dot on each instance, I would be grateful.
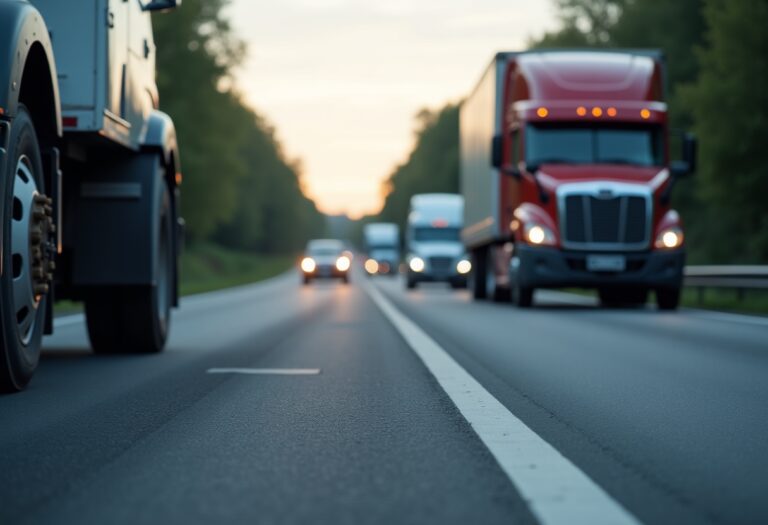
(382, 247)
(89, 173)
(434, 249)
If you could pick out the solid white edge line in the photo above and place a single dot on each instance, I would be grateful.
(266, 371)
(556, 491)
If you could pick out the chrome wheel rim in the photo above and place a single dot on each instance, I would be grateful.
(25, 302)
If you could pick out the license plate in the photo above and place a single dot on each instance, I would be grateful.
(606, 263)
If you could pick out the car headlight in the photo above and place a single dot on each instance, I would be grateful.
(464, 266)
(670, 238)
(538, 235)
(343, 263)
(371, 266)
(416, 264)
(308, 265)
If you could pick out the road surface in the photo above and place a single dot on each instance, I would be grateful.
(277, 403)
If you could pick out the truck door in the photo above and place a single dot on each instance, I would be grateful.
(117, 61)
(142, 89)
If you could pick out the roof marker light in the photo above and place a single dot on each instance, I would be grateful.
(597, 112)
(581, 111)
(645, 113)
(612, 112)
(542, 112)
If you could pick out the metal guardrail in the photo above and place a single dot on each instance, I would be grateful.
(739, 278)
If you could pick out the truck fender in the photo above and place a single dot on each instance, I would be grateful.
(23, 32)
(161, 136)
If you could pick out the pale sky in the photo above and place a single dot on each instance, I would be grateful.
(341, 80)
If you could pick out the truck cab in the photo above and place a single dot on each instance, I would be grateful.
(571, 184)
(434, 249)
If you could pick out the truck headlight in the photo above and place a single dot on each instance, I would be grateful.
(308, 265)
(538, 235)
(670, 238)
(464, 266)
(416, 264)
(371, 266)
(343, 263)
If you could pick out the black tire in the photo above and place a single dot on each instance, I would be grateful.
(410, 284)
(19, 353)
(136, 319)
(523, 296)
(306, 280)
(668, 298)
(345, 279)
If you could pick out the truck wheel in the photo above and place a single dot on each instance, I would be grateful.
(523, 296)
(668, 298)
(136, 319)
(410, 284)
(26, 254)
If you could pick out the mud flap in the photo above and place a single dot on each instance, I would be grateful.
(116, 223)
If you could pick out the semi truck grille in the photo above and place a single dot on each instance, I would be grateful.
(619, 222)
(440, 264)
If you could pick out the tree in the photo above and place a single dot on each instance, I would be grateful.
(433, 165)
(729, 101)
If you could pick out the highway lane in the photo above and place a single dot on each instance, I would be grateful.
(666, 412)
(156, 439)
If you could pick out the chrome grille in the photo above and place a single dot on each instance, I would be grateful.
(593, 218)
(440, 264)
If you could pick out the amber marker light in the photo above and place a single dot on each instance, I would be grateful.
(581, 111)
(597, 112)
(612, 112)
(542, 112)
(645, 113)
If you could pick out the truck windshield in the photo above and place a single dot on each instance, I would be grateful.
(636, 145)
(436, 234)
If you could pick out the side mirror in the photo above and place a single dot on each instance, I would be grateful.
(497, 154)
(161, 5)
(687, 166)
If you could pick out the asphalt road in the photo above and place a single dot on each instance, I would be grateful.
(665, 412)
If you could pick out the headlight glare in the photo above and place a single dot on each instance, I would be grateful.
(416, 264)
(371, 266)
(463, 266)
(343, 263)
(308, 265)
(670, 238)
(539, 235)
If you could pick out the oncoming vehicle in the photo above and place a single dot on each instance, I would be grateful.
(326, 259)
(382, 246)
(435, 251)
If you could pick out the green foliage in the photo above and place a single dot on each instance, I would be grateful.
(238, 187)
(730, 107)
(433, 165)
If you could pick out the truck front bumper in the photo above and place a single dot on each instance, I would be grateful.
(554, 268)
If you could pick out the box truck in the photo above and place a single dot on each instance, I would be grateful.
(90, 177)
(434, 249)
(566, 175)
(382, 248)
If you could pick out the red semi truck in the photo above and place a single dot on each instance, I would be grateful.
(566, 175)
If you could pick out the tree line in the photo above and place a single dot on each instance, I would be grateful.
(717, 58)
(239, 188)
